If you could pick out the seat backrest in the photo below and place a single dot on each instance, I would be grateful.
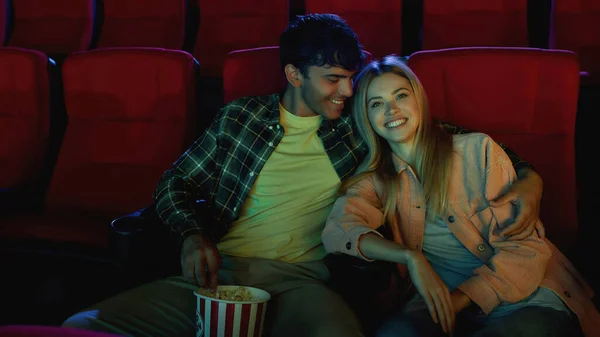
(524, 98)
(252, 72)
(378, 23)
(255, 72)
(143, 23)
(3, 21)
(575, 27)
(466, 23)
(226, 26)
(131, 111)
(53, 27)
(24, 115)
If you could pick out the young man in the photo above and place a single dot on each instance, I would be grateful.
(269, 168)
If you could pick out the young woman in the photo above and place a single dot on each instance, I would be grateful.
(433, 189)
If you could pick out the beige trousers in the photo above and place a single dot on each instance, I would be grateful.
(301, 303)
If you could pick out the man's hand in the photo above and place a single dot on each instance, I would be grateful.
(526, 194)
(200, 261)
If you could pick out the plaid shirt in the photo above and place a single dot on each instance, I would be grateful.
(222, 165)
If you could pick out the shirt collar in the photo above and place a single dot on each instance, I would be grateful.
(399, 164)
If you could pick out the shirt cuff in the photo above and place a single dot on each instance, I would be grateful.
(190, 229)
(350, 242)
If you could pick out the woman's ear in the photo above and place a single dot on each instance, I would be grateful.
(293, 75)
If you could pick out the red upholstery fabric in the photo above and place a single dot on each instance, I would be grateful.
(241, 73)
(143, 23)
(226, 26)
(47, 331)
(3, 21)
(465, 23)
(53, 27)
(575, 27)
(378, 23)
(131, 113)
(524, 98)
(255, 72)
(24, 114)
(88, 229)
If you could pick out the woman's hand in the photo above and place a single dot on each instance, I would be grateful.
(460, 300)
(433, 290)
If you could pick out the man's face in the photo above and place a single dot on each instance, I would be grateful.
(324, 91)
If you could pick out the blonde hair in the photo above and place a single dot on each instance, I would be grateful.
(431, 153)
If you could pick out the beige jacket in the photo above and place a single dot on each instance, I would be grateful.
(512, 270)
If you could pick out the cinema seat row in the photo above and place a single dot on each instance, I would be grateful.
(209, 30)
(132, 112)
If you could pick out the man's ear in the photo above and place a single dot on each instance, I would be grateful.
(293, 75)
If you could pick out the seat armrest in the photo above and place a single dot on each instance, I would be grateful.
(372, 276)
(139, 237)
(145, 245)
(129, 224)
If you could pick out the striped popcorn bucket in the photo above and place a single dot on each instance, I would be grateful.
(227, 318)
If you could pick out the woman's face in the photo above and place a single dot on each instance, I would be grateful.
(393, 110)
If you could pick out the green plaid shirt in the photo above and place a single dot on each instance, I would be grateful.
(222, 165)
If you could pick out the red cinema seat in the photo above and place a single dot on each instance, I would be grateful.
(378, 23)
(226, 26)
(511, 94)
(131, 115)
(466, 23)
(575, 26)
(255, 72)
(240, 73)
(24, 115)
(53, 27)
(143, 23)
(3, 21)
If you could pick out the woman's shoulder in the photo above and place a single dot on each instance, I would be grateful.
(471, 139)
(480, 147)
(366, 185)
(474, 141)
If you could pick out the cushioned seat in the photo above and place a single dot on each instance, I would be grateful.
(24, 115)
(131, 114)
(143, 23)
(3, 21)
(467, 23)
(255, 72)
(575, 27)
(53, 27)
(378, 23)
(524, 98)
(226, 26)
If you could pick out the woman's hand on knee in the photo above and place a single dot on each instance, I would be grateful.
(433, 290)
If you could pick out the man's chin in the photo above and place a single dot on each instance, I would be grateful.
(332, 114)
